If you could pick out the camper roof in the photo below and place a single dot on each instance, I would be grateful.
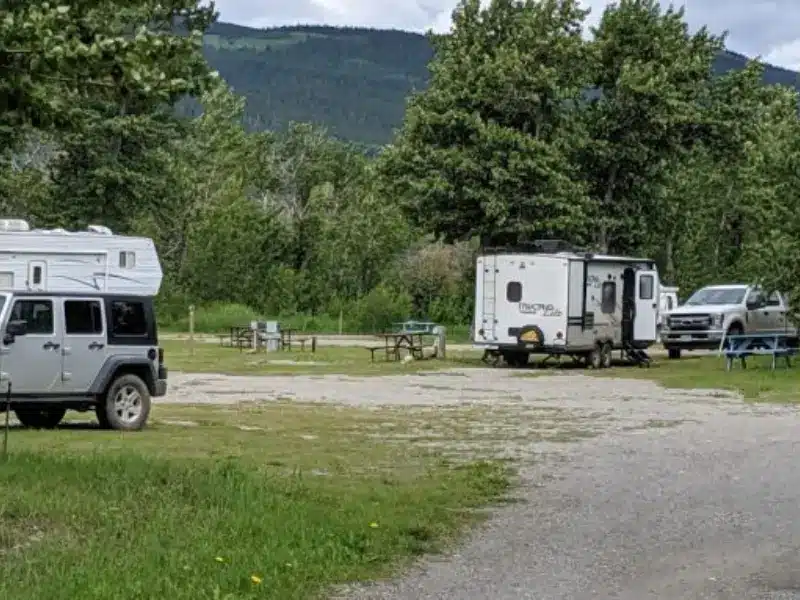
(89, 261)
(559, 248)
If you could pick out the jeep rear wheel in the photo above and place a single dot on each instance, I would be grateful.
(45, 417)
(126, 405)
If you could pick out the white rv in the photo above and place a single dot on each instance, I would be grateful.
(94, 260)
(556, 302)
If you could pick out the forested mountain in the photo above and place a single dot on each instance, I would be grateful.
(354, 81)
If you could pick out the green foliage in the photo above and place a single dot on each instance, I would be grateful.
(484, 151)
(506, 144)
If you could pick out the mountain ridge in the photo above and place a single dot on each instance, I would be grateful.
(352, 80)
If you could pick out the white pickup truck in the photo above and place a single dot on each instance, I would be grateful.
(715, 311)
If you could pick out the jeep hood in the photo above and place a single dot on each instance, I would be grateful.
(705, 309)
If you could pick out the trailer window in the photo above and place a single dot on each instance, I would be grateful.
(514, 291)
(646, 285)
(127, 260)
(83, 317)
(608, 302)
(37, 313)
(37, 275)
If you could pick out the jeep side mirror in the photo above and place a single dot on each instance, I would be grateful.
(14, 329)
(753, 304)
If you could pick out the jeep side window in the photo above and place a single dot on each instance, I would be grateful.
(608, 303)
(37, 313)
(83, 317)
(128, 318)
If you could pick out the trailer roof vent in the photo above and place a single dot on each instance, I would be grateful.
(101, 229)
(14, 225)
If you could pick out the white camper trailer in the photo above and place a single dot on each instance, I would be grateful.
(556, 301)
(94, 260)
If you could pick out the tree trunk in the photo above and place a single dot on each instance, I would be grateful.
(604, 235)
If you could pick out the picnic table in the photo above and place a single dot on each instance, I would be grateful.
(238, 337)
(396, 342)
(769, 343)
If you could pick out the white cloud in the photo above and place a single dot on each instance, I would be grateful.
(769, 28)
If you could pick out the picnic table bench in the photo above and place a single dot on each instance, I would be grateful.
(395, 343)
(769, 343)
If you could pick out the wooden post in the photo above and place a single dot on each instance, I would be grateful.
(441, 342)
(191, 329)
(341, 321)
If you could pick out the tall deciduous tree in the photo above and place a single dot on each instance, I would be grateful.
(651, 76)
(483, 151)
(56, 55)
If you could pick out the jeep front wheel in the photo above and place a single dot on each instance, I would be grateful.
(126, 405)
(45, 417)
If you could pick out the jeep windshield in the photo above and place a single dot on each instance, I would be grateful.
(712, 295)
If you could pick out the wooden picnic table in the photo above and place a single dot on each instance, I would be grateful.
(770, 343)
(395, 342)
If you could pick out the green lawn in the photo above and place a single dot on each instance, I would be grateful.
(278, 501)
(209, 357)
(756, 383)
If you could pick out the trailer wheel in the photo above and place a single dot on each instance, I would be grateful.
(595, 359)
(516, 359)
(605, 356)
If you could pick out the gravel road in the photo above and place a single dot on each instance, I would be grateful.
(675, 495)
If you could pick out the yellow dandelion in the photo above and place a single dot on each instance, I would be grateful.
(219, 559)
(255, 579)
(374, 525)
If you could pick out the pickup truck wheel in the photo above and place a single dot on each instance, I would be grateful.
(734, 329)
(127, 403)
(674, 353)
(46, 417)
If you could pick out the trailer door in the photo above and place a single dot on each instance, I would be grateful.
(646, 316)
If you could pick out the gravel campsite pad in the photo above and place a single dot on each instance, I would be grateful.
(628, 490)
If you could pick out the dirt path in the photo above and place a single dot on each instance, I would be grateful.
(665, 494)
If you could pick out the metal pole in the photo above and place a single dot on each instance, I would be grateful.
(8, 414)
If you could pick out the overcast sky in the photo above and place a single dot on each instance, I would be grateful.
(770, 28)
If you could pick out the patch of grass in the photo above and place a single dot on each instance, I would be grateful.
(756, 383)
(279, 501)
(209, 357)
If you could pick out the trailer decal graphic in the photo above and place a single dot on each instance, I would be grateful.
(540, 310)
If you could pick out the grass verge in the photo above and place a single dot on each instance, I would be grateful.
(758, 382)
(207, 357)
(225, 503)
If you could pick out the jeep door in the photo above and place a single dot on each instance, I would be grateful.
(33, 361)
(84, 342)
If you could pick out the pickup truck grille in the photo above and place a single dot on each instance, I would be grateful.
(689, 322)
